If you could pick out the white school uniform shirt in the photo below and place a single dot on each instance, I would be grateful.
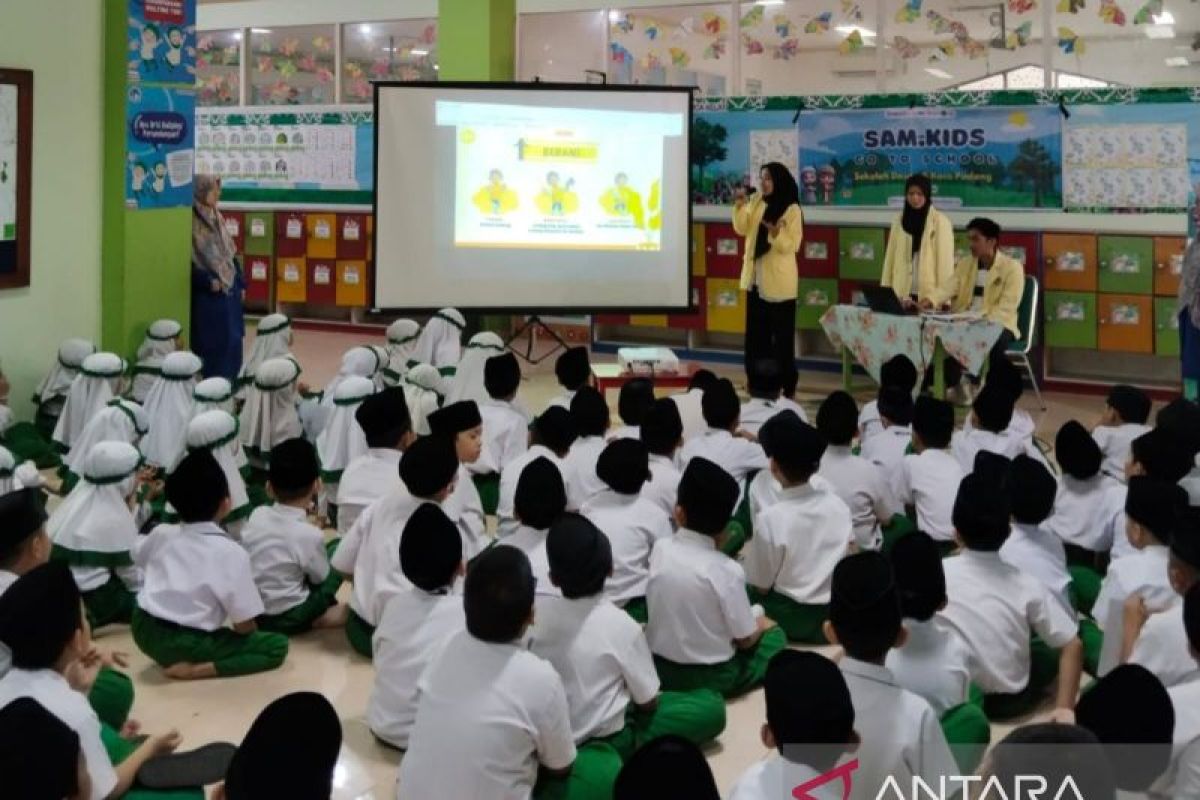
(697, 601)
(7, 579)
(1021, 427)
(774, 778)
(737, 456)
(901, 736)
(196, 576)
(1162, 648)
(1079, 513)
(72, 709)
(935, 663)
(601, 655)
(1113, 523)
(532, 542)
(625, 432)
(797, 542)
(509, 478)
(663, 487)
(367, 478)
(1115, 442)
(756, 411)
(864, 488)
(966, 444)
(1036, 551)
(562, 400)
(1182, 778)
(691, 412)
(870, 424)
(414, 626)
(928, 481)
(505, 436)
(1143, 573)
(994, 607)
(1191, 484)
(465, 510)
(287, 554)
(579, 471)
(633, 525)
(487, 715)
(370, 552)
(888, 448)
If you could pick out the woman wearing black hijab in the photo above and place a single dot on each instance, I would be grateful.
(773, 228)
(919, 262)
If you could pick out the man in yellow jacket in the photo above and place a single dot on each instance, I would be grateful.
(990, 283)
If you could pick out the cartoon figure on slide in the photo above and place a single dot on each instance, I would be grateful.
(808, 185)
(496, 198)
(557, 198)
(619, 200)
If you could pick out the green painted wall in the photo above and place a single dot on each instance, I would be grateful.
(59, 40)
(476, 40)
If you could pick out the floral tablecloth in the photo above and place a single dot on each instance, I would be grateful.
(874, 338)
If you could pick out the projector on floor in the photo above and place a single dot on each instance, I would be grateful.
(648, 361)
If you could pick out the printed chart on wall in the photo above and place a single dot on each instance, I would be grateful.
(1130, 157)
(8, 163)
(535, 176)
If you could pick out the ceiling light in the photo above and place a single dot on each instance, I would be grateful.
(939, 73)
(437, 66)
(260, 30)
(1160, 32)
(237, 36)
(1177, 61)
(419, 52)
(866, 33)
(1165, 18)
(614, 16)
(768, 2)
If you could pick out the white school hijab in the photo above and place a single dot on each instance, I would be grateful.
(158, 343)
(169, 407)
(269, 416)
(423, 395)
(217, 432)
(71, 354)
(467, 383)
(343, 439)
(381, 362)
(212, 394)
(402, 338)
(440, 342)
(95, 522)
(273, 339)
(98, 381)
(120, 421)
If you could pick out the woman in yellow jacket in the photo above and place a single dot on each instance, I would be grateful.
(919, 262)
(773, 228)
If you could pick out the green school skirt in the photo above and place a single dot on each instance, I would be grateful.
(735, 539)
(731, 678)
(110, 604)
(1093, 642)
(231, 653)
(801, 622)
(488, 487)
(897, 528)
(1084, 588)
(359, 633)
(119, 749)
(968, 733)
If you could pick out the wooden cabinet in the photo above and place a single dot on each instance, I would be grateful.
(1070, 319)
(1126, 323)
(815, 297)
(259, 233)
(291, 280)
(1166, 327)
(1168, 264)
(1070, 262)
(1126, 264)
(321, 231)
(818, 257)
(699, 262)
(726, 306)
(722, 251)
(1025, 248)
(860, 253)
(351, 283)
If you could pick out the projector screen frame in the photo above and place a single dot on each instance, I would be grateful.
(518, 309)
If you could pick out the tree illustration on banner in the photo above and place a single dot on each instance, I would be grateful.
(708, 146)
(1033, 167)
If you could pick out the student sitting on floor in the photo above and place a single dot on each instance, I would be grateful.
(272, 339)
(899, 372)
(424, 391)
(669, 766)
(119, 421)
(591, 417)
(738, 455)
(798, 540)
(216, 432)
(384, 420)
(40, 756)
(541, 499)
(269, 416)
(287, 554)
(886, 450)
(934, 662)
(690, 403)
(996, 609)
(440, 341)
(701, 628)
(51, 393)
(94, 532)
(1020, 429)
(602, 656)
(900, 732)
(194, 579)
(212, 394)
(415, 622)
(1182, 778)
(168, 408)
(809, 730)
(1161, 454)
(468, 380)
(1051, 752)
(1181, 418)
(43, 627)
(505, 428)
(990, 416)
(861, 484)
(1125, 414)
(573, 372)
(635, 399)
(766, 400)
(928, 478)
(764, 490)
(662, 433)
(462, 424)
(341, 440)
(369, 554)
(401, 343)
(500, 709)
(100, 379)
(1032, 547)
(631, 521)
(550, 437)
(14, 477)
(1077, 506)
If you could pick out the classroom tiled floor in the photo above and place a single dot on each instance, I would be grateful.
(322, 661)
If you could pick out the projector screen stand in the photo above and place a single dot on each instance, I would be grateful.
(532, 326)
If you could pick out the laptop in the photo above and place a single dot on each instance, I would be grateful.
(883, 300)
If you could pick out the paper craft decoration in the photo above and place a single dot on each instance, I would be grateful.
(852, 43)
(1069, 42)
(715, 49)
(680, 57)
(943, 51)
(909, 12)
(1148, 12)
(652, 31)
(905, 48)
(619, 54)
(624, 23)
(783, 25)
(752, 18)
(819, 23)
(685, 29)
(1019, 36)
(782, 145)
(786, 51)
(1021, 6)
(1070, 6)
(1111, 13)
(937, 22)
(753, 46)
(852, 11)
(713, 23)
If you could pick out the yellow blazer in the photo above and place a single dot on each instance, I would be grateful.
(935, 260)
(1001, 294)
(780, 280)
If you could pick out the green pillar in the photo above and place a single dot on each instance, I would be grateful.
(145, 255)
(477, 40)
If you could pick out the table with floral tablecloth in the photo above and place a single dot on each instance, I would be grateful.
(871, 339)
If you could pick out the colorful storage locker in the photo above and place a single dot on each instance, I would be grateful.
(258, 278)
(235, 226)
(699, 267)
(1070, 262)
(648, 320)
(816, 296)
(818, 257)
(291, 281)
(850, 293)
(1024, 248)
(723, 251)
(1166, 327)
(321, 230)
(1168, 264)
(352, 236)
(695, 320)
(611, 319)
(860, 253)
(1126, 323)
(1070, 319)
(259, 233)
(291, 238)
(322, 274)
(1126, 264)
(726, 306)
(351, 287)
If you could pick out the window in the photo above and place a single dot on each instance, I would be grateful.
(219, 68)
(563, 46)
(292, 65)
(386, 51)
(672, 46)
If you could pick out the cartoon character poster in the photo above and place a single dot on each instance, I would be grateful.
(162, 41)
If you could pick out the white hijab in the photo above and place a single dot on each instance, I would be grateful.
(272, 340)
(98, 381)
(381, 358)
(57, 382)
(343, 439)
(95, 517)
(440, 342)
(169, 407)
(119, 421)
(269, 416)
(212, 394)
(467, 383)
(217, 432)
(402, 338)
(423, 394)
(157, 345)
